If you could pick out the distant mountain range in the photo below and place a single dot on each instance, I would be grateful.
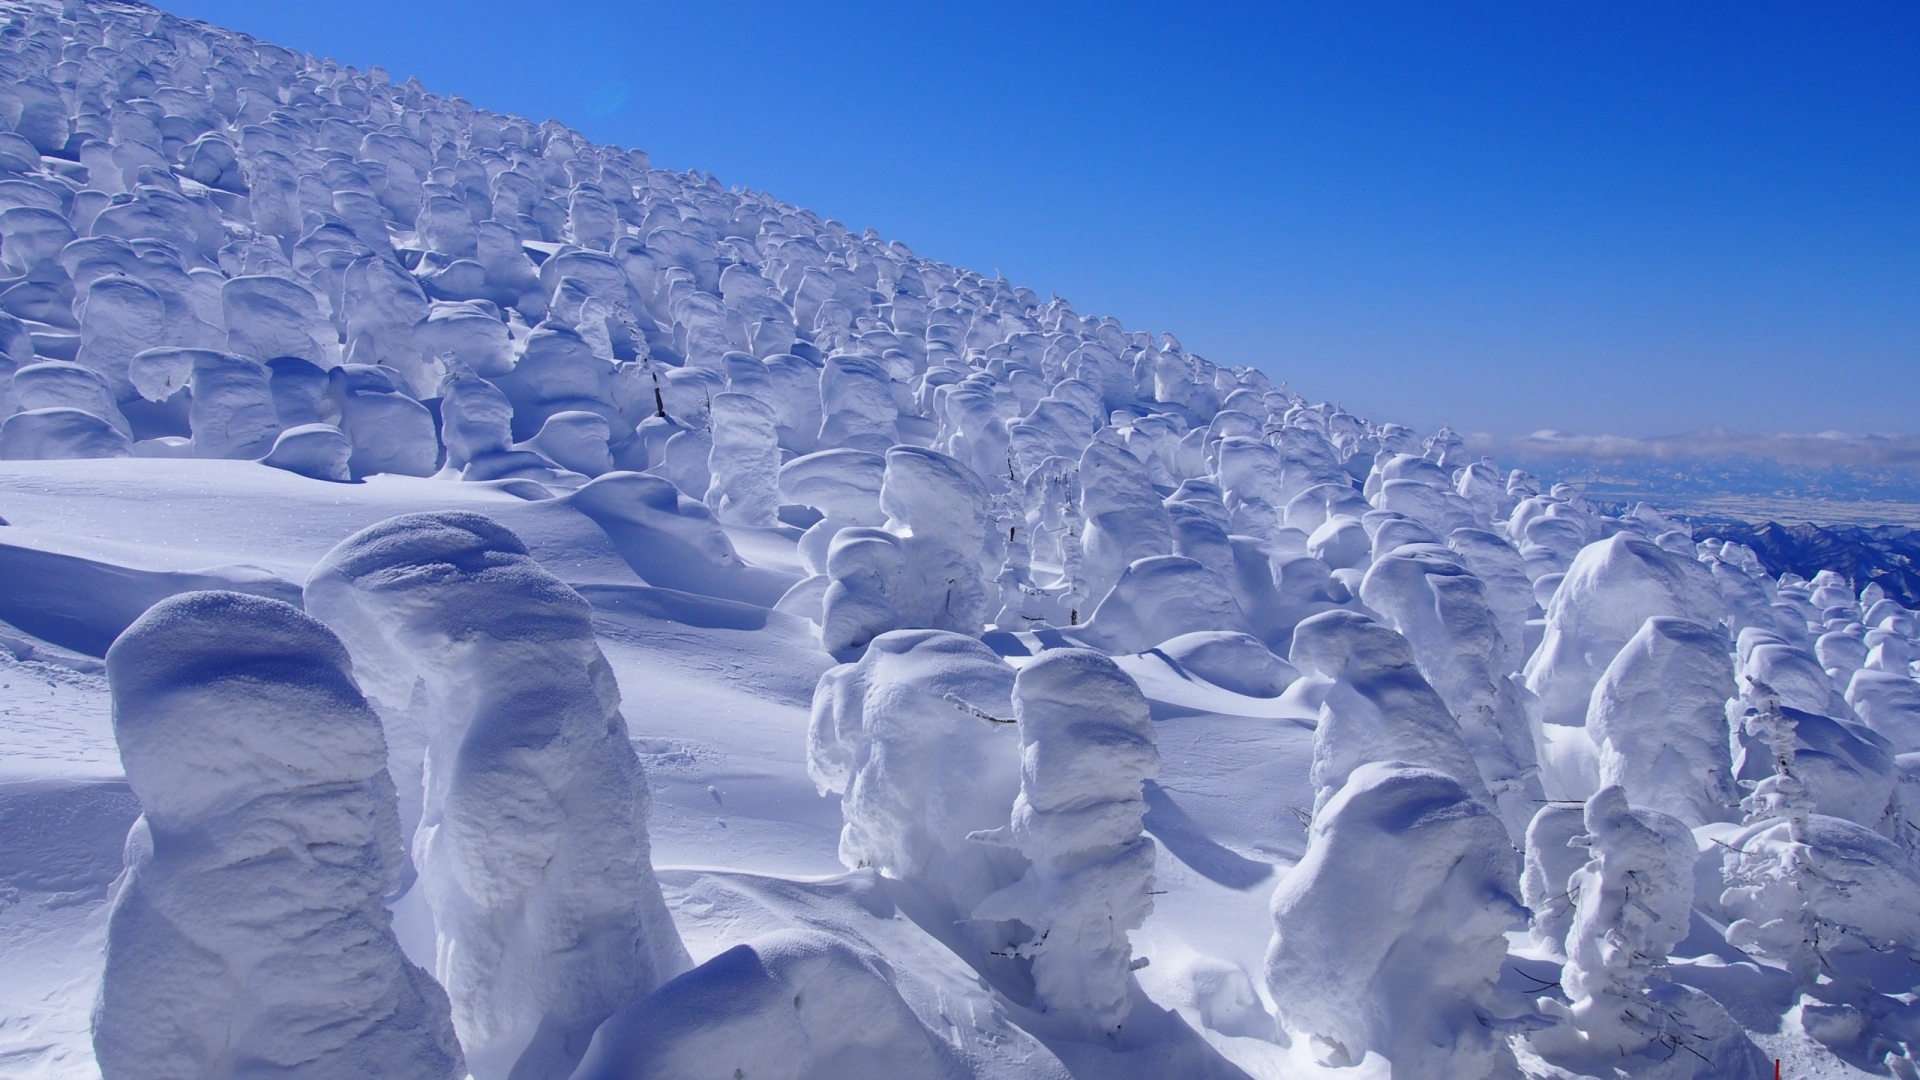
(1856, 519)
(1888, 554)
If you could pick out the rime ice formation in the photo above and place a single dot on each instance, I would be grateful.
(1388, 934)
(532, 844)
(231, 409)
(925, 568)
(390, 431)
(1161, 597)
(1502, 572)
(260, 300)
(918, 741)
(60, 432)
(1810, 874)
(576, 441)
(1626, 906)
(1441, 608)
(1658, 715)
(1612, 587)
(1086, 746)
(1889, 702)
(56, 384)
(1631, 902)
(671, 539)
(1377, 708)
(1551, 859)
(247, 934)
(745, 461)
(1125, 521)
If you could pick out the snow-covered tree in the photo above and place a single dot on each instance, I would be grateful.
(918, 740)
(1087, 746)
(248, 935)
(1631, 904)
(532, 845)
(1390, 932)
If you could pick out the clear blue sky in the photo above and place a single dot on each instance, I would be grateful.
(1620, 217)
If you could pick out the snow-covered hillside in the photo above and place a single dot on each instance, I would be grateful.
(472, 603)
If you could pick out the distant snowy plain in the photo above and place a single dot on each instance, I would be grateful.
(472, 603)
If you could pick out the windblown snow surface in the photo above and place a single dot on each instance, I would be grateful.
(472, 603)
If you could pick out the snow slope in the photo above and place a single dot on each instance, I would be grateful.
(1013, 694)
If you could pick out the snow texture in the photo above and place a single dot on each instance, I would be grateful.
(790, 1004)
(248, 935)
(1658, 715)
(532, 845)
(918, 740)
(1631, 903)
(1389, 933)
(1086, 747)
(1612, 587)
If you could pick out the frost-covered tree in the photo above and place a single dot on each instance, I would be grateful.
(532, 844)
(1802, 884)
(1058, 528)
(1631, 904)
(1379, 707)
(918, 741)
(248, 935)
(1124, 518)
(1087, 746)
(928, 568)
(744, 464)
(1429, 596)
(1551, 859)
(1023, 604)
(1390, 932)
(1769, 885)
(1658, 716)
(1611, 589)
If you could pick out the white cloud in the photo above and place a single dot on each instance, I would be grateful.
(1826, 448)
